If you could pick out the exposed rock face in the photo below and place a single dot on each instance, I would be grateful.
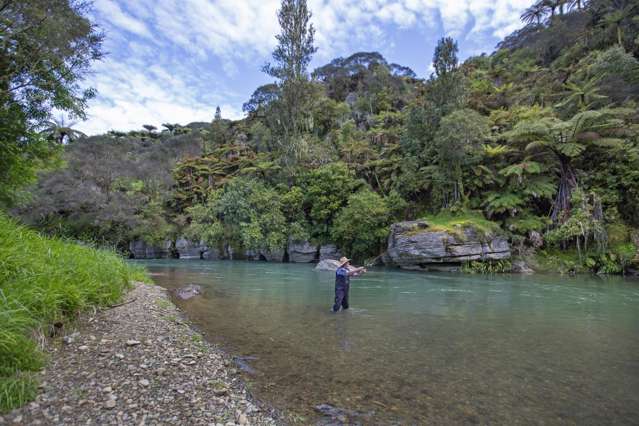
(329, 251)
(327, 265)
(521, 267)
(211, 254)
(190, 249)
(411, 245)
(141, 250)
(188, 291)
(272, 255)
(301, 252)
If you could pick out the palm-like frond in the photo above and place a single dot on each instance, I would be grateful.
(495, 151)
(570, 149)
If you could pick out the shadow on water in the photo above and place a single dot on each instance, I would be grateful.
(424, 348)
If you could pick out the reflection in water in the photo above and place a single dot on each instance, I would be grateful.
(425, 348)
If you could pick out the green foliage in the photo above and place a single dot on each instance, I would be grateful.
(326, 191)
(361, 228)
(455, 222)
(487, 266)
(246, 213)
(41, 70)
(43, 281)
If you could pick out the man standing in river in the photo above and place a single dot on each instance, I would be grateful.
(343, 276)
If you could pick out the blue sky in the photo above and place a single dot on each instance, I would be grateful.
(176, 60)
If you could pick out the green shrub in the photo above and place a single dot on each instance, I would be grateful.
(487, 266)
(43, 281)
(361, 227)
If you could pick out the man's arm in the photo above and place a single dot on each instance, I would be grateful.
(356, 271)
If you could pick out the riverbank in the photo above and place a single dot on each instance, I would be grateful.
(138, 363)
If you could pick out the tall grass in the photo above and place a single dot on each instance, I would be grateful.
(44, 281)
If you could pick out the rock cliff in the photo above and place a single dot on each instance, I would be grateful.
(416, 245)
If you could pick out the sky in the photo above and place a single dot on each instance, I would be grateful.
(174, 61)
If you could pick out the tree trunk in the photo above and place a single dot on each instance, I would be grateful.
(567, 183)
(619, 35)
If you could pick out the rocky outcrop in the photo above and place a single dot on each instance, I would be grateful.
(211, 254)
(139, 249)
(272, 255)
(413, 245)
(521, 267)
(327, 265)
(329, 251)
(191, 250)
(301, 252)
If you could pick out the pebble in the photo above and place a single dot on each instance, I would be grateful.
(167, 379)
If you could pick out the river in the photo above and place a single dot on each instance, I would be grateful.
(424, 348)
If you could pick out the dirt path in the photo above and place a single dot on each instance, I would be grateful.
(139, 364)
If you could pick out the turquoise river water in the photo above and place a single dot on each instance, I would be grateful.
(423, 348)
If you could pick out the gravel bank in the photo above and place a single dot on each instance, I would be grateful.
(139, 363)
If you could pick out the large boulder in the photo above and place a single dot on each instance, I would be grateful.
(188, 291)
(414, 245)
(140, 249)
(301, 252)
(327, 265)
(189, 249)
(329, 251)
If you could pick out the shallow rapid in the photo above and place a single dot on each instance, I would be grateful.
(424, 348)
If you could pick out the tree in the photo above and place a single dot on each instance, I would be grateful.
(361, 228)
(326, 191)
(447, 86)
(150, 128)
(170, 127)
(295, 42)
(262, 97)
(445, 57)
(566, 140)
(459, 137)
(581, 95)
(243, 213)
(533, 14)
(41, 69)
(292, 55)
(218, 113)
(61, 132)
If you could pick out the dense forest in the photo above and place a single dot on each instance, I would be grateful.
(540, 137)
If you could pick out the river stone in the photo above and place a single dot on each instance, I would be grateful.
(188, 291)
(327, 265)
(412, 245)
(329, 251)
(301, 252)
(189, 249)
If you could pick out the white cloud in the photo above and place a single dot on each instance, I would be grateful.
(129, 98)
(117, 17)
(172, 60)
